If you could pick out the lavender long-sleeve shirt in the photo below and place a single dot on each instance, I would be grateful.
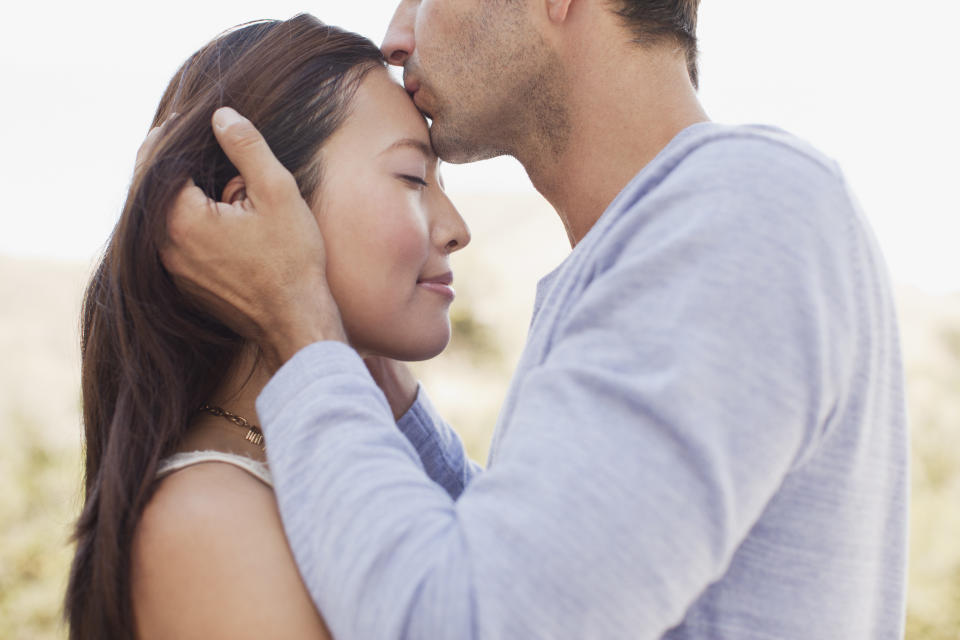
(704, 438)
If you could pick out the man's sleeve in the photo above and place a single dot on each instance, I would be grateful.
(681, 388)
(438, 445)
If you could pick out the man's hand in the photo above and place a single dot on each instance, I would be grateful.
(257, 263)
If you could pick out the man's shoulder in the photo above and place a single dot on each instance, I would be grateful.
(744, 177)
(750, 195)
(715, 174)
(721, 148)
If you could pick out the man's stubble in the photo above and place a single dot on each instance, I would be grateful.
(501, 93)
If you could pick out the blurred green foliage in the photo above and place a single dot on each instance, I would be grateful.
(472, 337)
(36, 513)
(934, 407)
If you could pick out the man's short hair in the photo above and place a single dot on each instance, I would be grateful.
(653, 21)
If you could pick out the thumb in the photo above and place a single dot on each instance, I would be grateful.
(267, 180)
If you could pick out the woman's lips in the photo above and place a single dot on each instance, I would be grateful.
(444, 290)
(439, 284)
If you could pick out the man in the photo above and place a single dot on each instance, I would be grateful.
(705, 437)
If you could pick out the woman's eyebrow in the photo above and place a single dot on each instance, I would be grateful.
(414, 143)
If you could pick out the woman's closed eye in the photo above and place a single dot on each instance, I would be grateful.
(413, 180)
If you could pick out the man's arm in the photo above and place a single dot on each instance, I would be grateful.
(639, 452)
(682, 388)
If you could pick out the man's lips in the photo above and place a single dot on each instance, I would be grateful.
(412, 85)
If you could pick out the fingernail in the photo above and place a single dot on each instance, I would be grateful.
(224, 117)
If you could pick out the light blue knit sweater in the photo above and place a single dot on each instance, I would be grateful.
(705, 437)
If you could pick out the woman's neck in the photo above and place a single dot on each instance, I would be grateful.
(236, 394)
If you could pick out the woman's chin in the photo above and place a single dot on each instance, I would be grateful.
(412, 348)
(429, 347)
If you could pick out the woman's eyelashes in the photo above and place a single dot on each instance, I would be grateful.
(413, 180)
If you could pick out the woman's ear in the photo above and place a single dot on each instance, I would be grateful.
(235, 190)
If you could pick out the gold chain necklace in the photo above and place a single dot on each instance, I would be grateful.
(254, 434)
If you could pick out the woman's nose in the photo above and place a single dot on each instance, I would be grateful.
(450, 230)
(399, 42)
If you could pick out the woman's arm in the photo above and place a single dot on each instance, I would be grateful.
(210, 560)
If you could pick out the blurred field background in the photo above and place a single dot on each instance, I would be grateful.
(516, 240)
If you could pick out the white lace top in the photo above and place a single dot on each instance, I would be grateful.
(182, 460)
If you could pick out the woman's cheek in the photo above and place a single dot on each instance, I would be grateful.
(402, 238)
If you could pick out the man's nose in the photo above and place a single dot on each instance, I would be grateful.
(399, 42)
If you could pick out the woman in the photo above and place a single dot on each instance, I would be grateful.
(179, 535)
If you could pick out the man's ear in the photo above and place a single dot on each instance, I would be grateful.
(557, 9)
(235, 190)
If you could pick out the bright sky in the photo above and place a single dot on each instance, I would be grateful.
(870, 82)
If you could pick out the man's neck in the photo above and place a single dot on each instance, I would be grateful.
(625, 105)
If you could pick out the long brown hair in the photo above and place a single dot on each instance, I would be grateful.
(150, 357)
